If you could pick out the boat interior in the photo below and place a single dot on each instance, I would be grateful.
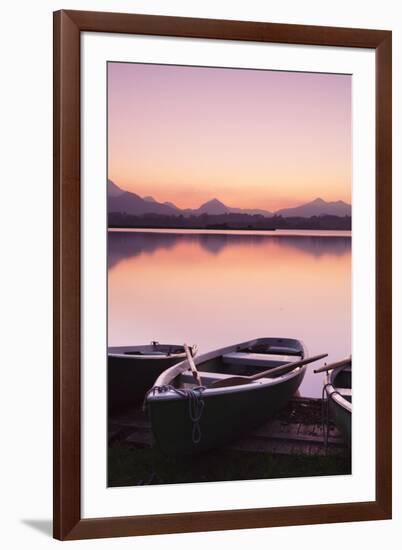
(245, 361)
(342, 382)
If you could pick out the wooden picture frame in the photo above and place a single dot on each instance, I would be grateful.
(68, 26)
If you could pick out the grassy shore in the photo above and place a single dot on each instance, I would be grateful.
(135, 466)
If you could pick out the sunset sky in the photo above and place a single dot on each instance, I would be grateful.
(251, 138)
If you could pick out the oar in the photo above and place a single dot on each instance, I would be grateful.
(282, 369)
(333, 366)
(193, 368)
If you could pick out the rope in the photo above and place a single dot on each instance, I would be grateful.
(196, 405)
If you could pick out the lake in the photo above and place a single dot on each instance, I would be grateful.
(223, 287)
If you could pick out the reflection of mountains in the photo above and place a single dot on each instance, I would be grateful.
(123, 245)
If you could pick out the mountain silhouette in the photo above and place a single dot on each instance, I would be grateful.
(126, 202)
(132, 204)
(215, 207)
(113, 190)
(168, 203)
(318, 207)
(212, 207)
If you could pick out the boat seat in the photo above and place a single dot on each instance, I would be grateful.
(144, 353)
(273, 350)
(251, 359)
(208, 378)
(205, 376)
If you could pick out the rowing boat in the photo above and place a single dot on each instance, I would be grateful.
(133, 369)
(187, 417)
(338, 389)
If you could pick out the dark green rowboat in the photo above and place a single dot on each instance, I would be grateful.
(187, 418)
(338, 387)
(132, 371)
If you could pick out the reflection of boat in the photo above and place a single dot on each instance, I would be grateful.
(338, 388)
(187, 417)
(133, 369)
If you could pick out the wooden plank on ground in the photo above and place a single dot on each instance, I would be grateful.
(140, 438)
(292, 431)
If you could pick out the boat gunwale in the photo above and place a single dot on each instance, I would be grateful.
(161, 356)
(263, 383)
(142, 357)
(332, 390)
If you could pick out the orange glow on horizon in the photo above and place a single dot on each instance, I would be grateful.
(237, 197)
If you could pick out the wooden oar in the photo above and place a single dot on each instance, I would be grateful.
(282, 369)
(333, 366)
(193, 368)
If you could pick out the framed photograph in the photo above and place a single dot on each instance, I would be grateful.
(222, 256)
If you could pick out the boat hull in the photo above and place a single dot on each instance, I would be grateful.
(225, 416)
(129, 378)
(342, 419)
(132, 371)
(338, 389)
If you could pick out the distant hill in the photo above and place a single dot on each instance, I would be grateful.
(126, 202)
(212, 207)
(318, 207)
(172, 205)
(216, 207)
(167, 203)
(113, 190)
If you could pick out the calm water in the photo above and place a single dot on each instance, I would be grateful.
(216, 289)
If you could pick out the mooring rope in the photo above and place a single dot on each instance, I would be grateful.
(196, 405)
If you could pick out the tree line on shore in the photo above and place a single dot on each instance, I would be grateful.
(228, 221)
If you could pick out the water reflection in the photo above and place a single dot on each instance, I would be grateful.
(218, 289)
(125, 244)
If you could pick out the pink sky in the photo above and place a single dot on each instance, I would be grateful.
(263, 139)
